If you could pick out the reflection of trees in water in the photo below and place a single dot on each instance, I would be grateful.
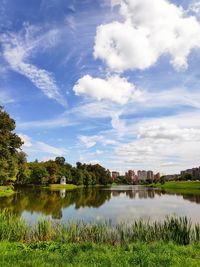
(52, 202)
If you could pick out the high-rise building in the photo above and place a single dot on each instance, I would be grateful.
(142, 175)
(157, 176)
(130, 174)
(115, 175)
(150, 175)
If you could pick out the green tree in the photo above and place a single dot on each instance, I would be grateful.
(60, 161)
(39, 174)
(53, 171)
(10, 143)
(24, 173)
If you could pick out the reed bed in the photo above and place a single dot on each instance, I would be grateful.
(176, 229)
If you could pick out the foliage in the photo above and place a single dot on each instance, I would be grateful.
(123, 180)
(10, 144)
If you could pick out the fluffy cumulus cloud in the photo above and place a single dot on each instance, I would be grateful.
(149, 29)
(114, 88)
(18, 48)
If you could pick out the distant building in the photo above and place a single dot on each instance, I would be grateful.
(157, 176)
(142, 175)
(130, 174)
(115, 175)
(194, 172)
(150, 175)
(171, 177)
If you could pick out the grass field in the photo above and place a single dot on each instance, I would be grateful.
(184, 186)
(6, 191)
(88, 254)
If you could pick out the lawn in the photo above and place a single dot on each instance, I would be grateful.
(183, 186)
(89, 254)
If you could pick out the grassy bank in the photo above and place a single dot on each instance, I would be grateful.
(6, 191)
(192, 186)
(88, 254)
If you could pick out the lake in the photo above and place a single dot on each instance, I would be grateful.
(118, 204)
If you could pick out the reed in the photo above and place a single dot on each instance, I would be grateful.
(176, 229)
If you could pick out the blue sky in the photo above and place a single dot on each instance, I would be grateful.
(114, 82)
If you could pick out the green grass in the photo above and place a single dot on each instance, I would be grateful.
(6, 191)
(88, 254)
(192, 186)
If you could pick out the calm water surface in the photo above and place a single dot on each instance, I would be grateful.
(124, 203)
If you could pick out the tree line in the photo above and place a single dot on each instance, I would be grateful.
(14, 167)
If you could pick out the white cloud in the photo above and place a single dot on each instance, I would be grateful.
(118, 124)
(168, 144)
(51, 149)
(92, 140)
(26, 139)
(150, 29)
(19, 48)
(114, 88)
(195, 7)
(5, 98)
(169, 132)
(31, 146)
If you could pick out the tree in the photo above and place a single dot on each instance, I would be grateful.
(39, 174)
(60, 161)
(23, 176)
(52, 169)
(77, 176)
(10, 143)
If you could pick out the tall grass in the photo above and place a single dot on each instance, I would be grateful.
(176, 229)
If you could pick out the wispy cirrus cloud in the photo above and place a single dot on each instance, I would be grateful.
(18, 50)
(32, 146)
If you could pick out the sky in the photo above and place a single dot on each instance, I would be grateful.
(114, 82)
